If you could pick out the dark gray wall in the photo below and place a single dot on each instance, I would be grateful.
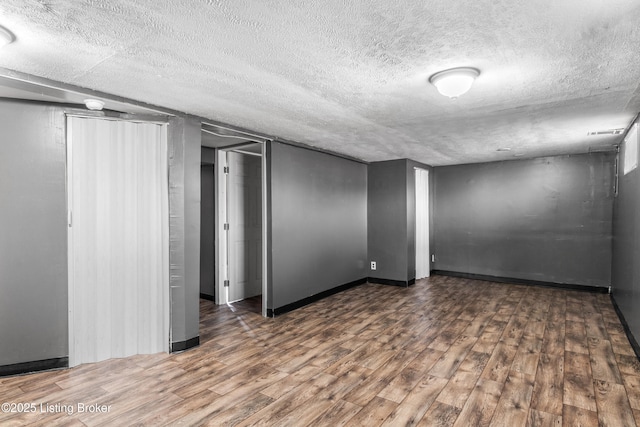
(33, 234)
(184, 226)
(318, 222)
(207, 154)
(392, 218)
(626, 249)
(207, 222)
(387, 219)
(207, 230)
(33, 231)
(546, 219)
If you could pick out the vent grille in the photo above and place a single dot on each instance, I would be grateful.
(606, 132)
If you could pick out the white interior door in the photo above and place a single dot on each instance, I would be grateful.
(245, 225)
(423, 265)
(118, 239)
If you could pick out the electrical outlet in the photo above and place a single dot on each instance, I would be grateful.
(433, 258)
(374, 265)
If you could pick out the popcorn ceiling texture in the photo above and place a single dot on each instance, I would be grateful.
(351, 76)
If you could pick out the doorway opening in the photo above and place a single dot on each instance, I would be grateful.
(239, 206)
(242, 227)
(423, 262)
(207, 224)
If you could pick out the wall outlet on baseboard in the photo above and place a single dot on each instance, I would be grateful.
(374, 265)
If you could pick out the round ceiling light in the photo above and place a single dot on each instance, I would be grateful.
(5, 37)
(455, 81)
(94, 104)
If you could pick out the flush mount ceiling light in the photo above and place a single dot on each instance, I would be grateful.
(455, 81)
(94, 104)
(5, 37)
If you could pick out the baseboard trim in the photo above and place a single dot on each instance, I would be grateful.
(313, 298)
(207, 297)
(627, 330)
(35, 366)
(185, 345)
(391, 282)
(499, 279)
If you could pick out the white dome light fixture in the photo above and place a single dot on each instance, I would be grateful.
(94, 104)
(5, 37)
(455, 81)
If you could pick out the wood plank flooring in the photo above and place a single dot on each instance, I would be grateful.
(444, 352)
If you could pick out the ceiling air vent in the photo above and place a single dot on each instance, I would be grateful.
(603, 149)
(606, 132)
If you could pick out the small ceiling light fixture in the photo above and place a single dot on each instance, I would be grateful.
(5, 37)
(94, 104)
(455, 81)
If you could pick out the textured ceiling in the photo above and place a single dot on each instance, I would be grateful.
(351, 76)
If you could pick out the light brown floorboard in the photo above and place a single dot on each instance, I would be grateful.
(444, 352)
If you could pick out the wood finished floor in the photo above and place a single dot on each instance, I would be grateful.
(444, 352)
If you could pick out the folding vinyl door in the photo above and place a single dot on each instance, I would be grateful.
(118, 238)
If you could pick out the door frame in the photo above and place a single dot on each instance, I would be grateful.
(221, 218)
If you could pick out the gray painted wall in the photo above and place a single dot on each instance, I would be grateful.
(33, 233)
(387, 219)
(626, 249)
(207, 154)
(392, 218)
(184, 226)
(318, 222)
(207, 223)
(546, 219)
(207, 230)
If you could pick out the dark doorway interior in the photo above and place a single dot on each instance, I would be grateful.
(207, 231)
